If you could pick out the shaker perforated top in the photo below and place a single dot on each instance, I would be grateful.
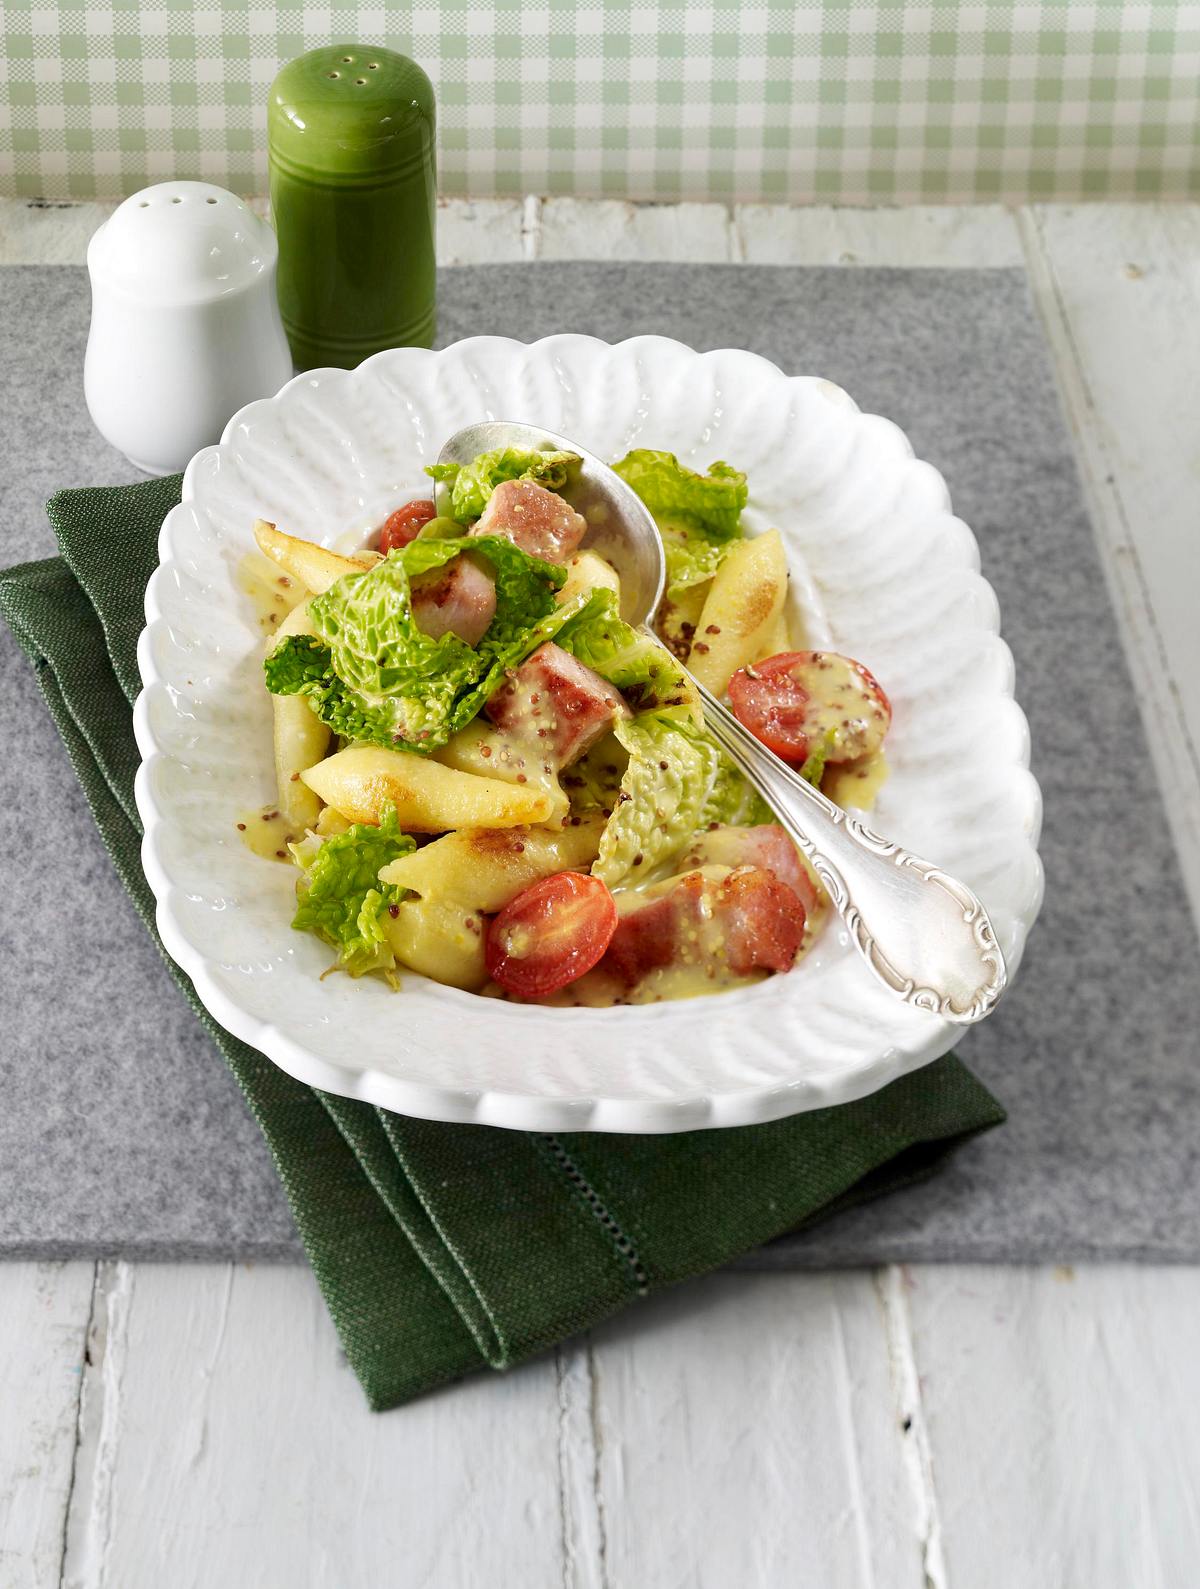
(180, 241)
(348, 109)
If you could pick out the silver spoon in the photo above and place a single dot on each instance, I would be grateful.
(924, 934)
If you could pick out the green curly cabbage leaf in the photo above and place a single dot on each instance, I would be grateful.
(677, 783)
(340, 898)
(698, 515)
(471, 484)
(372, 675)
(647, 675)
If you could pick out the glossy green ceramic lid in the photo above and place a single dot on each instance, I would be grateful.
(347, 110)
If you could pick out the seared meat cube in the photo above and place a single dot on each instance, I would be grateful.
(536, 520)
(748, 920)
(555, 702)
(767, 846)
(458, 598)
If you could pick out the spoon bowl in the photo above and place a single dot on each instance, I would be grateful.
(620, 528)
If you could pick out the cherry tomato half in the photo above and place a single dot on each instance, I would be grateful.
(404, 525)
(550, 934)
(798, 701)
(772, 703)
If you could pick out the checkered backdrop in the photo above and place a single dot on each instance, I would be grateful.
(836, 101)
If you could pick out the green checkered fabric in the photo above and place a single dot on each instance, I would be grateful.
(840, 101)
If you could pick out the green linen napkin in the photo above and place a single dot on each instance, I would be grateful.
(443, 1248)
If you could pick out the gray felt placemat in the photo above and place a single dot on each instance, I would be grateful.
(121, 1131)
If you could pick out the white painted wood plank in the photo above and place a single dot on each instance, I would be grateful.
(584, 1565)
(608, 229)
(1062, 1407)
(226, 1442)
(914, 1427)
(479, 231)
(36, 232)
(531, 225)
(918, 235)
(1119, 293)
(747, 1434)
(44, 1309)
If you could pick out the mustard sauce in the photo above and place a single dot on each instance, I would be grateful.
(514, 758)
(856, 784)
(272, 593)
(840, 706)
(689, 981)
(265, 833)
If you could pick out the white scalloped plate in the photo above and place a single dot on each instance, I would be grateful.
(881, 570)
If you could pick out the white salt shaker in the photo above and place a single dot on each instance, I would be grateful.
(185, 323)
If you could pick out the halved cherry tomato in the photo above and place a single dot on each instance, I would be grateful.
(550, 934)
(773, 704)
(404, 525)
(799, 701)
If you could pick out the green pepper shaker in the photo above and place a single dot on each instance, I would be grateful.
(353, 194)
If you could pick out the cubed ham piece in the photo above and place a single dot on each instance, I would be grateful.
(655, 934)
(458, 598)
(555, 702)
(748, 921)
(763, 921)
(767, 846)
(536, 520)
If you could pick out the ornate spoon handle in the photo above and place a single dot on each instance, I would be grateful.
(925, 935)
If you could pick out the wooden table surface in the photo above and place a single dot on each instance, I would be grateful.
(935, 1427)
